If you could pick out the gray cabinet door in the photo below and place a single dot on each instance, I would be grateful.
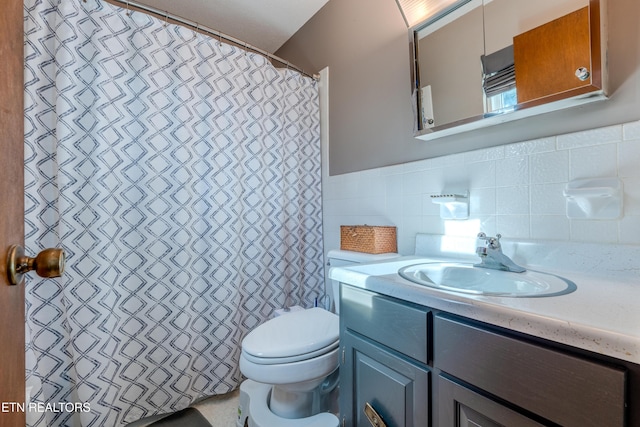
(397, 389)
(459, 406)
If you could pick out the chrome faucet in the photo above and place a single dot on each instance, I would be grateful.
(490, 253)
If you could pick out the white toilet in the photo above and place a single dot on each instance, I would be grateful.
(291, 363)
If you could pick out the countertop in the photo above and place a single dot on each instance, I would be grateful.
(602, 315)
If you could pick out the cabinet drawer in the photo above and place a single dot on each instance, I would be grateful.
(401, 327)
(564, 389)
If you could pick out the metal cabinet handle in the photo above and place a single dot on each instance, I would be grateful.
(48, 263)
(582, 74)
(372, 416)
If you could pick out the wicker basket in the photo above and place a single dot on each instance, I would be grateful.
(371, 239)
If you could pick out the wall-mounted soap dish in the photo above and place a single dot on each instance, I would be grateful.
(452, 206)
(599, 198)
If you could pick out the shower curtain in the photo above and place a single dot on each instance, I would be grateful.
(182, 177)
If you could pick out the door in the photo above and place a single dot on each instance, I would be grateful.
(537, 56)
(375, 383)
(12, 380)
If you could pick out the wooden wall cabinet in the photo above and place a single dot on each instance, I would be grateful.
(559, 59)
(534, 58)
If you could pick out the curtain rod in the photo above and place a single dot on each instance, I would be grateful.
(218, 34)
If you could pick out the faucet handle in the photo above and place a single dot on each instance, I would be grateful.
(492, 242)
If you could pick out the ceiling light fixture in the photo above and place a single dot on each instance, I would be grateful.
(417, 11)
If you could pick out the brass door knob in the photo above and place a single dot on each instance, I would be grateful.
(48, 263)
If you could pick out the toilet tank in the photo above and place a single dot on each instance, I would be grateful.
(339, 258)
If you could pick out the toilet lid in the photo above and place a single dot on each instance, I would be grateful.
(293, 334)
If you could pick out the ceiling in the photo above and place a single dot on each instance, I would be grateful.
(265, 24)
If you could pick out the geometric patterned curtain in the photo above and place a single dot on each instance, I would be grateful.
(182, 177)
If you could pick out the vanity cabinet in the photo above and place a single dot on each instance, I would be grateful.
(383, 372)
(410, 365)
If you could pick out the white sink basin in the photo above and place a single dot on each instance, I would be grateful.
(465, 278)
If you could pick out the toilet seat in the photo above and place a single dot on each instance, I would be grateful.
(292, 337)
(289, 373)
(289, 359)
(260, 416)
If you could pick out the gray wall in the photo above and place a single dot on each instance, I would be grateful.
(365, 45)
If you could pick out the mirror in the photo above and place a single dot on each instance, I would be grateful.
(484, 62)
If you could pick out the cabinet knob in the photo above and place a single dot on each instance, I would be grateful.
(373, 416)
(582, 74)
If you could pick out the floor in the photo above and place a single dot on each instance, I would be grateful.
(220, 411)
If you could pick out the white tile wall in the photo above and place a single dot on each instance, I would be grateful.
(515, 190)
